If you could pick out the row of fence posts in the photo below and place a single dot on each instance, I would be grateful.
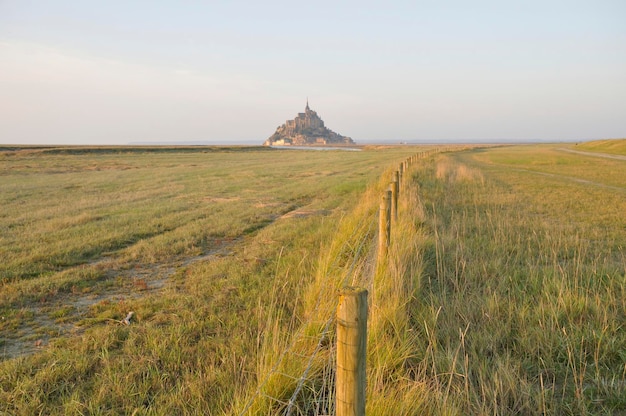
(350, 378)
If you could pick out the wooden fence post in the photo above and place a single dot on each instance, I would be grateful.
(350, 381)
(396, 178)
(395, 188)
(384, 226)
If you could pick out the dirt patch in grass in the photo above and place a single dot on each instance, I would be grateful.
(301, 213)
(67, 314)
(219, 199)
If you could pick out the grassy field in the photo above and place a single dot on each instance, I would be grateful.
(504, 291)
(199, 243)
(522, 306)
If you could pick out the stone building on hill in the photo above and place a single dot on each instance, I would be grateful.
(305, 130)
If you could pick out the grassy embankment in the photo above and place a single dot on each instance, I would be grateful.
(615, 146)
(211, 248)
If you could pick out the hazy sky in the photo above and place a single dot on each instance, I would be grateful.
(114, 72)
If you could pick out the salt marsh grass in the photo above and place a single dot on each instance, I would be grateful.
(522, 304)
(195, 241)
(504, 290)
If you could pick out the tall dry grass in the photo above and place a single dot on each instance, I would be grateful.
(521, 305)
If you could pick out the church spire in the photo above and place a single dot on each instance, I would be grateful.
(307, 104)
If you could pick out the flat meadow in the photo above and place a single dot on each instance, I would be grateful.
(190, 240)
(522, 306)
(503, 292)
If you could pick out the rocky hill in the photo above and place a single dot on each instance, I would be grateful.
(305, 130)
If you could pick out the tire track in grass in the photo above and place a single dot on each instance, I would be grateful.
(592, 154)
(572, 179)
(138, 281)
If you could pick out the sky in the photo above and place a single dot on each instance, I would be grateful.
(119, 72)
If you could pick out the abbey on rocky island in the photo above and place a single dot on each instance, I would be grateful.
(305, 130)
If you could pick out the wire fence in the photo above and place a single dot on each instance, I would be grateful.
(302, 380)
(314, 342)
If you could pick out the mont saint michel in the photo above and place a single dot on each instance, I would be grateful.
(305, 130)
